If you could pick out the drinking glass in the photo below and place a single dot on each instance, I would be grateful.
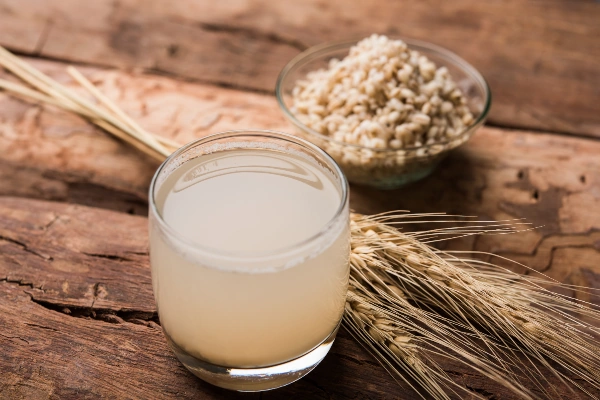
(248, 320)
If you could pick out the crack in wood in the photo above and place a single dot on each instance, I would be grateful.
(553, 249)
(21, 283)
(253, 33)
(14, 337)
(138, 253)
(46, 57)
(113, 257)
(150, 70)
(137, 317)
(482, 392)
(542, 255)
(26, 248)
(41, 327)
(543, 211)
(545, 130)
(96, 286)
(218, 84)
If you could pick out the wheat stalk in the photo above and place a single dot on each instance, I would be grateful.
(509, 314)
(409, 303)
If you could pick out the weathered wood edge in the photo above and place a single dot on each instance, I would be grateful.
(79, 317)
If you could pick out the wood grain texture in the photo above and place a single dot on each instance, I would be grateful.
(552, 181)
(75, 281)
(540, 58)
(52, 155)
(80, 322)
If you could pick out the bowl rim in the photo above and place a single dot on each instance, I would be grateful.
(411, 43)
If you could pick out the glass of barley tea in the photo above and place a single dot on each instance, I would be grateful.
(249, 248)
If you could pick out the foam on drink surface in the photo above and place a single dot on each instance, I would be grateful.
(222, 296)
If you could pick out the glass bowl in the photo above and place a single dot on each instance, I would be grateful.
(385, 168)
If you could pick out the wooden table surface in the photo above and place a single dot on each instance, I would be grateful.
(77, 315)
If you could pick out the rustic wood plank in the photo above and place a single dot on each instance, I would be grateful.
(79, 320)
(79, 317)
(549, 181)
(74, 283)
(65, 256)
(50, 354)
(52, 155)
(540, 58)
(552, 181)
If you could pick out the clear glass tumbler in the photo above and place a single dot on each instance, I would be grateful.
(249, 247)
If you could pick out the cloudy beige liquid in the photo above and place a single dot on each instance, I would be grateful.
(238, 290)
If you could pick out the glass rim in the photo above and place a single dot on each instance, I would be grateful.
(241, 256)
(326, 47)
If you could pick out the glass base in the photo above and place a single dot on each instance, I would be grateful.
(255, 379)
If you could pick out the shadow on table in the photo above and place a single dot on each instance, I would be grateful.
(456, 187)
(347, 372)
